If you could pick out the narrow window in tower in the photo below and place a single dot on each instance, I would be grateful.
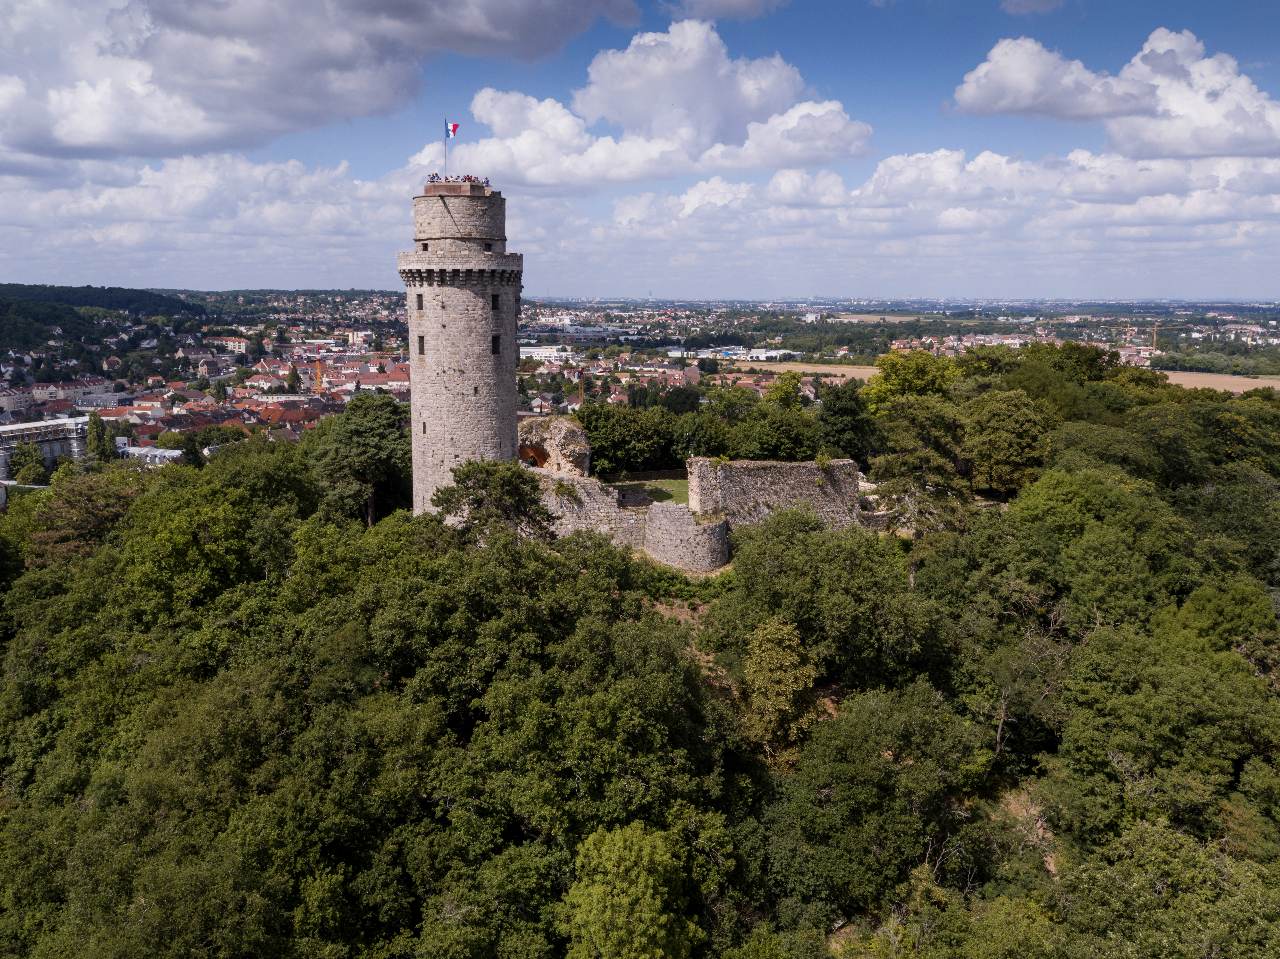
(494, 302)
(424, 427)
(422, 345)
(425, 247)
(419, 301)
(495, 344)
(488, 247)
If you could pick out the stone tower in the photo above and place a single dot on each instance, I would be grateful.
(464, 300)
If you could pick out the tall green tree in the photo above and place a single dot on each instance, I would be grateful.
(26, 464)
(626, 439)
(362, 456)
(1156, 892)
(98, 441)
(846, 422)
(919, 471)
(1161, 727)
(871, 797)
(777, 679)
(488, 496)
(1004, 441)
(785, 391)
(627, 900)
(913, 373)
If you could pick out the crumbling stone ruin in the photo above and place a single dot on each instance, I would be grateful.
(557, 444)
(463, 297)
(694, 537)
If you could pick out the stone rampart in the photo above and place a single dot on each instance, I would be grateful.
(583, 503)
(747, 491)
(675, 536)
(722, 495)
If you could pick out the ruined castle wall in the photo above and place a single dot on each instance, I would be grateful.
(675, 536)
(557, 444)
(747, 491)
(583, 503)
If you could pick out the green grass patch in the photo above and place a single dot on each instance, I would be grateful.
(659, 490)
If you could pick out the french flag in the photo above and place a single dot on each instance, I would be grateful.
(450, 130)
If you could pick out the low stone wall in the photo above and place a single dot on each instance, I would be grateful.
(747, 491)
(675, 536)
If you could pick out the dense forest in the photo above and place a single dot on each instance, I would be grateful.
(252, 707)
(126, 300)
(29, 325)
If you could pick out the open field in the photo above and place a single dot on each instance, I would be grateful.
(1212, 381)
(1222, 381)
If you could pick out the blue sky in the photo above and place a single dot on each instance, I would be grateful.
(711, 148)
(895, 66)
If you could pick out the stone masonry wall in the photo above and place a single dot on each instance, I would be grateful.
(452, 223)
(695, 538)
(557, 444)
(747, 491)
(675, 536)
(583, 503)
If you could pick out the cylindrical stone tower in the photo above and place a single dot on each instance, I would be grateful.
(464, 300)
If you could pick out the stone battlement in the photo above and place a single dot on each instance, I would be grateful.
(458, 188)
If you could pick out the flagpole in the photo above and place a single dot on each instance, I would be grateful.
(446, 146)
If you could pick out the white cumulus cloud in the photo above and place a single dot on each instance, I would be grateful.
(731, 184)
(1021, 76)
(165, 77)
(683, 84)
(680, 103)
(1170, 100)
(1205, 105)
(940, 222)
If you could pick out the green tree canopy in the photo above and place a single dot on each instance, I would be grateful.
(913, 373)
(363, 457)
(626, 901)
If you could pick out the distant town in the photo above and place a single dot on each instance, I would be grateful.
(157, 366)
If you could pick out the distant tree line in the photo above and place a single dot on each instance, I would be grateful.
(1238, 359)
(29, 325)
(138, 302)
